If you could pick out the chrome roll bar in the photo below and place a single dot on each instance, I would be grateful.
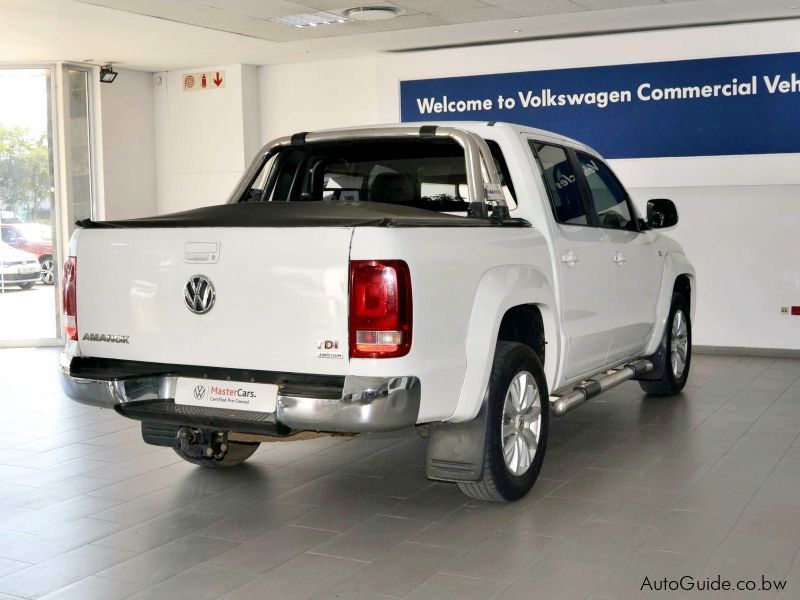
(483, 181)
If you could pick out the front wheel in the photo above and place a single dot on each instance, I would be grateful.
(48, 266)
(674, 361)
(517, 422)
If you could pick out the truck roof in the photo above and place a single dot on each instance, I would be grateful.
(489, 129)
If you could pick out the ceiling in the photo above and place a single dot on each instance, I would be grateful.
(156, 35)
(252, 17)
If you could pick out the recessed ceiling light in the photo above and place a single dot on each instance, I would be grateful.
(372, 13)
(310, 19)
(517, 31)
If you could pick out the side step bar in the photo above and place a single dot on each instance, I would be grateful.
(590, 388)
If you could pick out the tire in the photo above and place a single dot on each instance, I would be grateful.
(237, 453)
(48, 265)
(25, 286)
(677, 343)
(506, 480)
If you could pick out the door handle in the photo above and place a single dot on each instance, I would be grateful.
(570, 258)
(619, 259)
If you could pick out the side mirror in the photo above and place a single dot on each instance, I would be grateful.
(661, 213)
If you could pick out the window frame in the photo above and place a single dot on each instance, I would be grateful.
(587, 193)
(588, 207)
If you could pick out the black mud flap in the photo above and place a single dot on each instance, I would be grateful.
(659, 360)
(456, 450)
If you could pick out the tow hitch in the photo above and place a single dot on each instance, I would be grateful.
(202, 443)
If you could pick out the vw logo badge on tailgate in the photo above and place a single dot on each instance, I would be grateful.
(199, 294)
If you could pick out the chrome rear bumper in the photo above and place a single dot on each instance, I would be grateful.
(365, 403)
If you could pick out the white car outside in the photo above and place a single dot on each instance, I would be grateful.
(17, 268)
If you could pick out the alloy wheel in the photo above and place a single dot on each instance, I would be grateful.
(522, 423)
(679, 343)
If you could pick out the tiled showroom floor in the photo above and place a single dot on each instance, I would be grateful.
(702, 484)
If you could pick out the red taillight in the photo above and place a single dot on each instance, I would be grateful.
(69, 293)
(380, 308)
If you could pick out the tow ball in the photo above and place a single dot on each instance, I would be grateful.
(202, 443)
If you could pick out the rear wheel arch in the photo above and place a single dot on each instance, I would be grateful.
(533, 325)
(523, 323)
(512, 295)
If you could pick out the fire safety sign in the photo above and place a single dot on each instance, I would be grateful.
(208, 80)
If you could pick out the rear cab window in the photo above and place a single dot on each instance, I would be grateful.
(427, 174)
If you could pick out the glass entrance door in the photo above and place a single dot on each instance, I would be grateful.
(29, 255)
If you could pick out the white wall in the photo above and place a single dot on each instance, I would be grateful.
(204, 139)
(740, 215)
(128, 146)
(318, 95)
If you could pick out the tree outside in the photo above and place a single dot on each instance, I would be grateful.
(26, 182)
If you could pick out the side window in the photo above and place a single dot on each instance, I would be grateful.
(10, 235)
(561, 183)
(608, 195)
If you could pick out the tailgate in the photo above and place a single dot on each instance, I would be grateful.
(279, 293)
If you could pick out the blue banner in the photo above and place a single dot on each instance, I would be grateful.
(704, 107)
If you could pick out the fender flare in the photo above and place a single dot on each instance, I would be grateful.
(499, 290)
(675, 265)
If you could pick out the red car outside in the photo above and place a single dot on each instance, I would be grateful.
(36, 239)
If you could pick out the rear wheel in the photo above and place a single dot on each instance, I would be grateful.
(516, 426)
(674, 362)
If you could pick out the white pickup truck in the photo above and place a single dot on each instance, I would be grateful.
(468, 278)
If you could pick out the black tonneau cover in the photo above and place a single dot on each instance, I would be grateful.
(303, 214)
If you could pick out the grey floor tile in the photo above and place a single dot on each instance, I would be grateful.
(597, 484)
(502, 557)
(60, 571)
(9, 566)
(397, 572)
(95, 588)
(254, 521)
(60, 539)
(453, 587)
(431, 503)
(302, 577)
(157, 531)
(555, 516)
(198, 583)
(689, 532)
(271, 549)
(466, 526)
(342, 516)
(168, 560)
(549, 579)
(143, 508)
(640, 507)
(371, 538)
(751, 556)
